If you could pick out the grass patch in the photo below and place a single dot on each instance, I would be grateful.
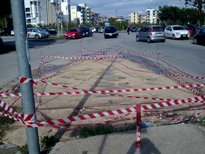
(104, 129)
(200, 122)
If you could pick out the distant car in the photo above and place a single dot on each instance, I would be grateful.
(50, 30)
(93, 29)
(110, 31)
(43, 31)
(1, 31)
(200, 37)
(12, 32)
(191, 29)
(134, 29)
(35, 33)
(176, 32)
(101, 30)
(151, 33)
(73, 33)
(1, 45)
(86, 32)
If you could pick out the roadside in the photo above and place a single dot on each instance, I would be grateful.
(172, 139)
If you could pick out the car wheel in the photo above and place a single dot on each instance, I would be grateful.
(105, 36)
(195, 41)
(163, 41)
(137, 39)
(37, 36)
(149, 40)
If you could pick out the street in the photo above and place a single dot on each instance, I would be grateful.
(180, 53)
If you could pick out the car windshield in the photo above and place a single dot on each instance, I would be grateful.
(178, 28)
(110, 29)
(158, 29)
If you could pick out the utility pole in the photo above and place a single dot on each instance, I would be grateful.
(24, 68)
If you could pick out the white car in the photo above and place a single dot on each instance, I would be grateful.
(176, 32)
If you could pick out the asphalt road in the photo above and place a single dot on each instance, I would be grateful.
(181, 53)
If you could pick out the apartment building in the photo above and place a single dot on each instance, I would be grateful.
(46, 12)
(76, 14)
(134, 17)
(81, 13)
(39, 12)
(65, 9)
(152, 16)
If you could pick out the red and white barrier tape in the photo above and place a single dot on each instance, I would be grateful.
(103, 91)
(184, 73)
(7, 108)
(113, 112)
(86, 58)
(133, 69)
(141, 53)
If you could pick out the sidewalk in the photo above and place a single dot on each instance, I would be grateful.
(172, 139)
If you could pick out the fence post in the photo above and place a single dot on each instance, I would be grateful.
(138, 128)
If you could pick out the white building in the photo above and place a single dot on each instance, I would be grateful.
(81, 13)
(152, 16)
(134, 17)
(76, 14)
(65, 9)
(39, 12)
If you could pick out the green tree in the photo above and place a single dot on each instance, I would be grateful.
(175, 15)
(199, 5)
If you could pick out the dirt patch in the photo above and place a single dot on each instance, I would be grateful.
(96, 75)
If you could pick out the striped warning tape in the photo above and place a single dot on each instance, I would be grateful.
(86, 58)
(113, 112)
(184, 74)
(133, 69)
(7, 108)
(22, 80)
(140, 53)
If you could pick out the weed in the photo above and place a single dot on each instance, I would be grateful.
(103, 129)
(23, 149)
(48, 142)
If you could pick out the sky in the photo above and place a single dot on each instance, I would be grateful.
(125, 7)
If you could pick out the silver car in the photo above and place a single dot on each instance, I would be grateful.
(151, 33)
(35, 33)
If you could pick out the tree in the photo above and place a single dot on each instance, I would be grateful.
(199, 4)
(5, 7)
(175, 15)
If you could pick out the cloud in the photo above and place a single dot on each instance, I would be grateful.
(124, 7)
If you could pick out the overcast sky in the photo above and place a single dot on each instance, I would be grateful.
(125, 7)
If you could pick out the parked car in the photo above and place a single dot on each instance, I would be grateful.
(134, 29)
(101, 30)
(43, 31)
(176, 32)
(73, 33)
(200, 37)
(151, 33)
(50, 30)
(110, 31)
(35, 33)
(93, 29)
(1, 32)
(191, 29)
(85, 32)
(1, 45)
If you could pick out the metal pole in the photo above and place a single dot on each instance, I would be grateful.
(18, 12)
